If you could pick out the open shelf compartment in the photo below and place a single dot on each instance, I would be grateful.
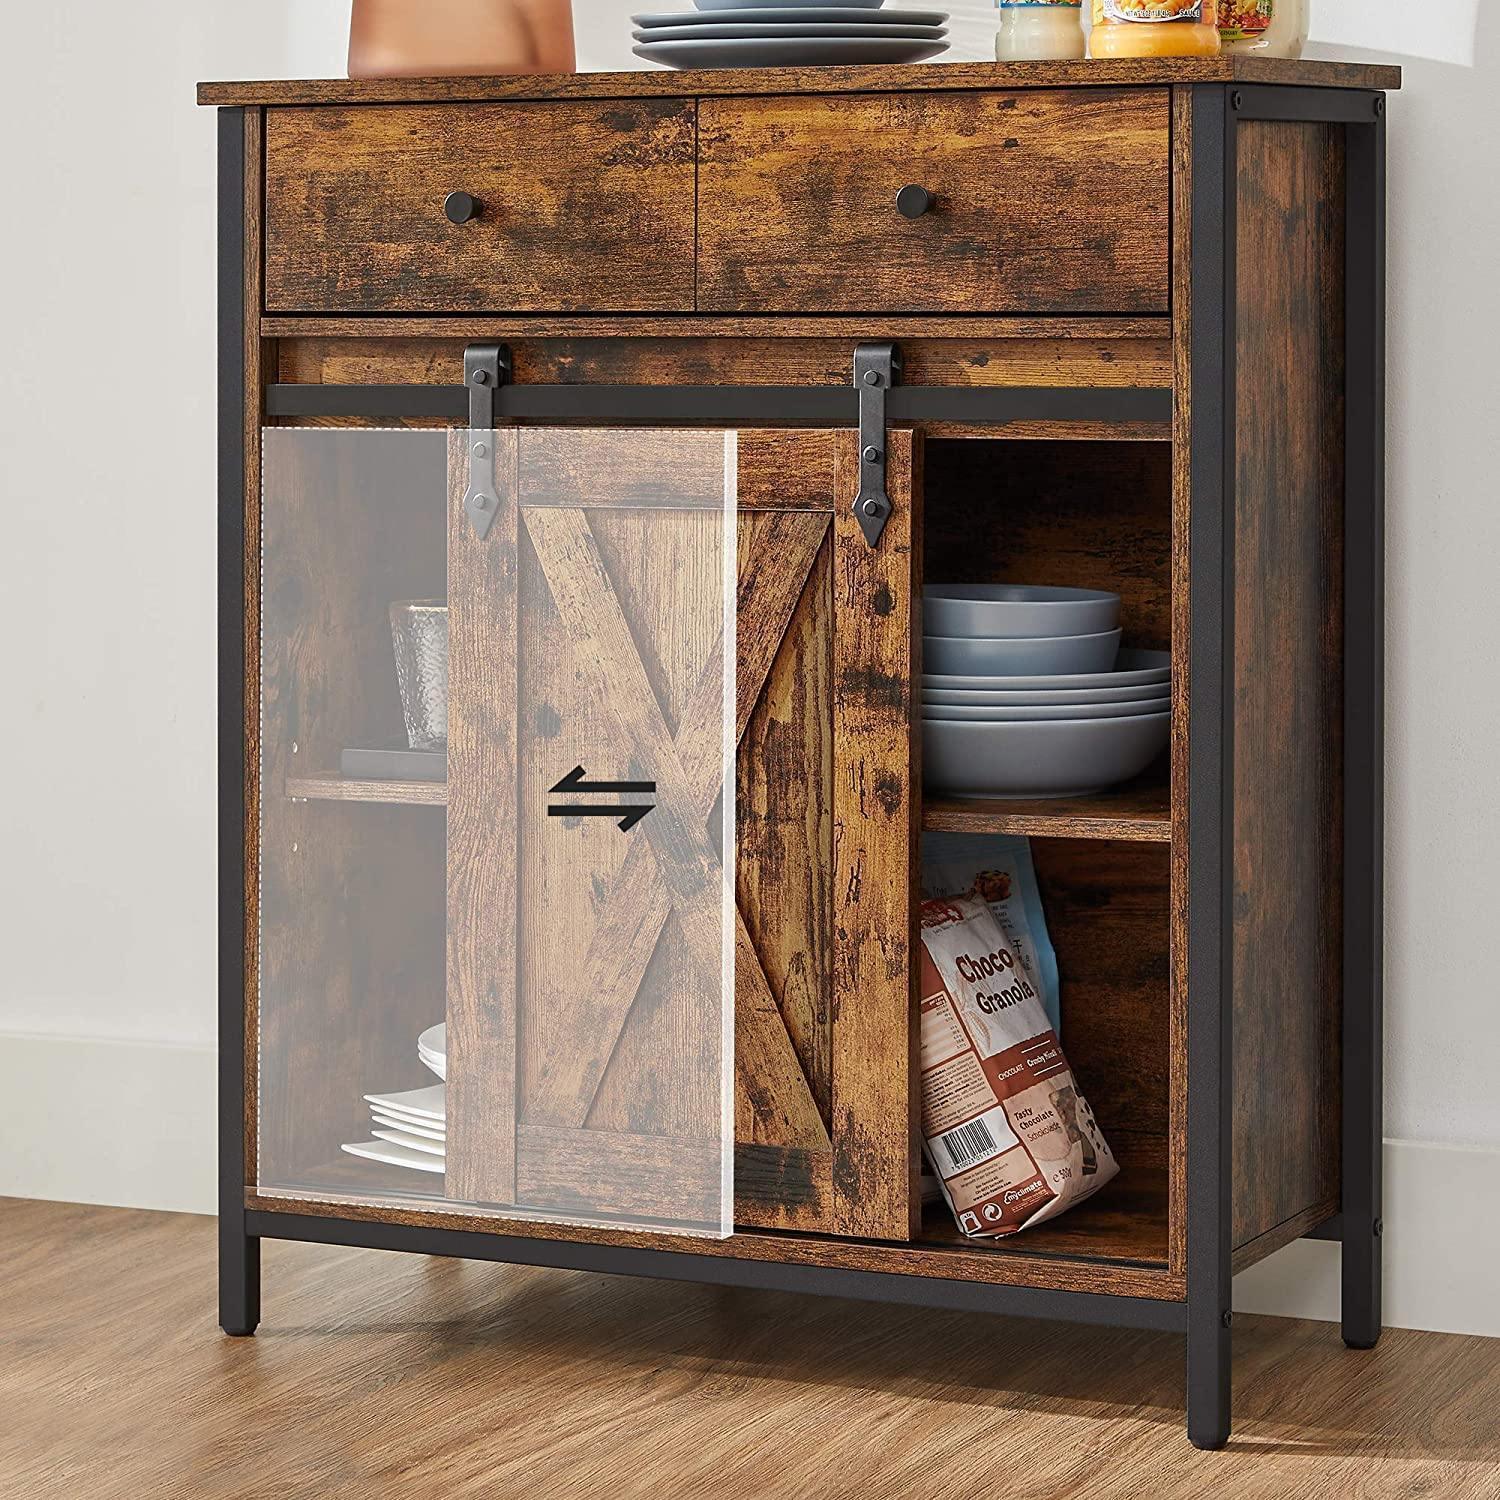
(1098, 515)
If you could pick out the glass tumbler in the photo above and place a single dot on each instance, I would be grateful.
(419, 633)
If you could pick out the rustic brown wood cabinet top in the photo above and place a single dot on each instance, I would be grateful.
(1136, 342)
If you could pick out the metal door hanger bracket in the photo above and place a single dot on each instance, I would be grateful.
(486, 368)
(877, 367)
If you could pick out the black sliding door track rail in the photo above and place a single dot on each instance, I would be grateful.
(748, 405)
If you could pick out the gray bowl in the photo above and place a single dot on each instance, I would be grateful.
(972, 656)
(1063, 758)
(1133, 668)
(994, 610)
(1035, 713)
(1057, 698)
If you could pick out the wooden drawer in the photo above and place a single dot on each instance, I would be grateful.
(584, 205)
(1045, 201)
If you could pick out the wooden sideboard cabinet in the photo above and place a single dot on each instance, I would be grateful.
(644, 386)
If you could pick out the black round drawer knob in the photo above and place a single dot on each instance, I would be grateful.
(461, 207)
(914, 201)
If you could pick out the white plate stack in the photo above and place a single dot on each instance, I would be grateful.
(432, 1048)
(411, 1127)
(787, 33)
(1026, 693)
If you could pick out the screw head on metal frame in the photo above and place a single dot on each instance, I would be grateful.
(1236, 100)
(481, 377)
(481, 450)
(481, 502)
(871, 454)
(872, 377)
(873, 507)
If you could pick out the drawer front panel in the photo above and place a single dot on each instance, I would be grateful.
(582, 206)
(1044, 201)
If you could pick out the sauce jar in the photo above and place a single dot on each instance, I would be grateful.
(1050, 30)
(1155, 28)
(1271, 28)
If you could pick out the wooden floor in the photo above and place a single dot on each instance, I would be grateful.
(382, 1375)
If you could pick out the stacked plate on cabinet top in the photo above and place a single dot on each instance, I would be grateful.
(1026, 693)
(411, 1127)
(787, 33)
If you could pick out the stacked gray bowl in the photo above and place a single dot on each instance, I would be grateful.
(788, 33)
(1026, 693)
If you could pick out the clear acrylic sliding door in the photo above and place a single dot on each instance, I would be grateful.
(496, 912)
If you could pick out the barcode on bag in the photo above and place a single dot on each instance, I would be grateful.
(966, 1146)
(969, 1143)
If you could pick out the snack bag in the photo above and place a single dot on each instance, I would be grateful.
(998, 869)
(1007, 1130)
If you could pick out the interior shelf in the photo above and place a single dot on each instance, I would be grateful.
(331, 787)
(1125, 1223)
(1134, 814)
(1140, 813)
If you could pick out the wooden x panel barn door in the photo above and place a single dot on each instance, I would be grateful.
(822, 926)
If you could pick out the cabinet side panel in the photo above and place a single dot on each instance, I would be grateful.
(1289, 424)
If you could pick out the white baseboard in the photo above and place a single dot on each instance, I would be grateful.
(129, 1124)
(134, 1125)
(1442, 1224)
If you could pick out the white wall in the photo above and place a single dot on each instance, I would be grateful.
(107, 573)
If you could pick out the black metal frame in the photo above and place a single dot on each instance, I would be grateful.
(1360, 1217)
(1205, 1315)
(1211, 783)
(1217, 113)
(239, 1249)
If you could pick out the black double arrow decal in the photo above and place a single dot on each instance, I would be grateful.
(574, 782)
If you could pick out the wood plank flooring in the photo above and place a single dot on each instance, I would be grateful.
(382, 1375)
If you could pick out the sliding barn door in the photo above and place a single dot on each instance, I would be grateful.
(681, 798)
(590, 900)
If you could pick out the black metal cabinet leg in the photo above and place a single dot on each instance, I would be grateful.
(1364, 687)
(1210, 853)
(239, 1253)
(1361, 1287)
(1208, 1377)
(239, 1280)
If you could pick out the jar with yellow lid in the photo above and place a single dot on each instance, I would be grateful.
(1155, 28)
